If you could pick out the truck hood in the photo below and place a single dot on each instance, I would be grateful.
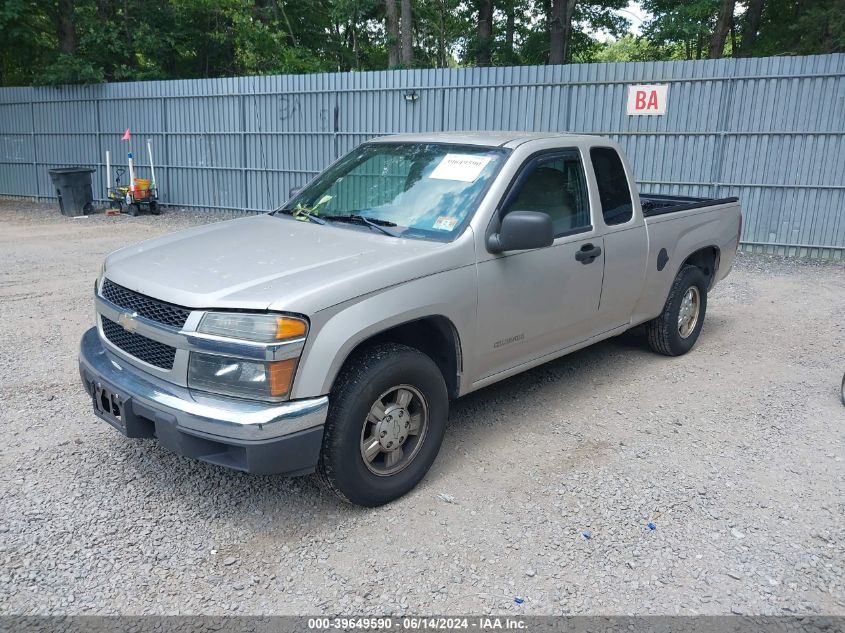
(266, 262)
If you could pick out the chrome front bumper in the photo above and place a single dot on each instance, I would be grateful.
(241, 434)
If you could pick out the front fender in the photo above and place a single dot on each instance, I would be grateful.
(338, 330)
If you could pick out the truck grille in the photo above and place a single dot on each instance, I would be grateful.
(147, 307)
(141, 347)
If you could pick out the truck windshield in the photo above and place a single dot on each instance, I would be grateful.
(427, 190)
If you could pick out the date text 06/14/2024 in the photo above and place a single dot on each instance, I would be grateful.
(416, 623)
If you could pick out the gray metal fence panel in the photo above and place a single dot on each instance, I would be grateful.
(768, 130)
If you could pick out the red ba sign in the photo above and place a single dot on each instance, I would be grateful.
(647, 99)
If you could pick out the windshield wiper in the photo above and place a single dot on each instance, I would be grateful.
(297, 213)
(373, 223)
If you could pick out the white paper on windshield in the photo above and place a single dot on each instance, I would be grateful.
(463, 167)
(445, 223)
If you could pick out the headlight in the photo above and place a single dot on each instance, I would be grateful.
(101, 276)
(263, 328)
(241, 378)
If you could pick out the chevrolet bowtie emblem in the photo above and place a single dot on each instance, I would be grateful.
(127, 321)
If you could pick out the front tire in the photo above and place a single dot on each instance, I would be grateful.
(386, 421)
(675, 331)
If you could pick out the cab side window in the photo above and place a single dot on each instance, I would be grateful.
(557, 186)
(614, 194)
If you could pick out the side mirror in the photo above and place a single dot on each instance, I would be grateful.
(293, 191)
(522, 230)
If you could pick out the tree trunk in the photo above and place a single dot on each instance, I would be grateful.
(355, 51)
(556, 32)
(510, 27)
(281, 6)
(560, 30)
(567, 30)
(547, 23)
(733, 38)
(723, 26)
(750, 27)
(64, 27)
(392, 28)
(441, 36)
(485, 33)
(407, 34)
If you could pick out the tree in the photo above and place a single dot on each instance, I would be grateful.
(441, 35)
(440, 28)
(767, 27)
(724, 24)
(90, 41)
(636, 49)
(560, 30)
(801, 27)
(407, 34)
(750, 28)
(392, 28)
(66, 33)
(485, 33)
(686, 22)
(568, 22)
(510, 30)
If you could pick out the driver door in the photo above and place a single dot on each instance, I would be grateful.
(534, 303)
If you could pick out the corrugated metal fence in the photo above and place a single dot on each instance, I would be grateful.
(768, 130)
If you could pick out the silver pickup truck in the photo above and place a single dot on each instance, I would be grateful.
(330, 335)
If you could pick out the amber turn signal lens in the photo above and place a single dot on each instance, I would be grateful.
(289, 328)
(280, 373)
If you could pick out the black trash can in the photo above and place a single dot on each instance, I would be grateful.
(73, 187)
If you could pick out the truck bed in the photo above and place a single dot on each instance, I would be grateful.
(660, 204)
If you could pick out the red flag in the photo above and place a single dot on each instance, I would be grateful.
(126, 136)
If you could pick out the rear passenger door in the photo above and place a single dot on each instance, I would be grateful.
(534, 303)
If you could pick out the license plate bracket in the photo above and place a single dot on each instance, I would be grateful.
(109, 405)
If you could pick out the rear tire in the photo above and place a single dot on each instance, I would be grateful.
(675, 331)
(134, 209)
(154, 208)
(398, 383)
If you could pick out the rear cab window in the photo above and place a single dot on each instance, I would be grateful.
(612, 182)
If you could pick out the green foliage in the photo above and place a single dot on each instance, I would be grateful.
(802, 27)
(637, 49)
(69, 69)
(22, 41)
(122, 40)
(686, 22)
(788, 27)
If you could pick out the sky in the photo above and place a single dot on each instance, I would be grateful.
(634, 14)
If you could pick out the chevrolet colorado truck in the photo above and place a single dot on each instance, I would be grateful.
(331, 334)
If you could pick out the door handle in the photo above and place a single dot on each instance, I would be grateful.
(588, 254)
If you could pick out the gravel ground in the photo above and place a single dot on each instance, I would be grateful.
(544, 489)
